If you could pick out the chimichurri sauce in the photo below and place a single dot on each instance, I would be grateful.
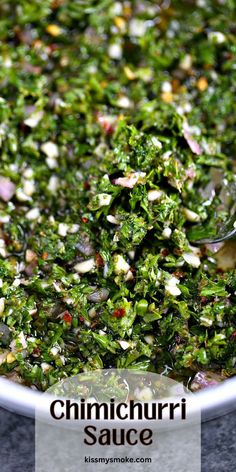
(117, 134)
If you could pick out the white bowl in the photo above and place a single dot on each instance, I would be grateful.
(214, 401)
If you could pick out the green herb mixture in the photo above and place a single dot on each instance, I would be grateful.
(117, 132)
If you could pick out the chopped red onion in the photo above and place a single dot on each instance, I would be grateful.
(130, 180)
(194, 146)
(107, 122)
(99, 295)
(205, 379)
(85, 246)
(214, 247)
(7, 189)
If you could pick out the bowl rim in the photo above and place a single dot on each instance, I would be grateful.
(214, 401)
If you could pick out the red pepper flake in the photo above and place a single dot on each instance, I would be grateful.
(56, 3)
(86, 185)
(84, 219)
(6, 238)
(81, 318)
(177, 252)
(203, 300)
(106, 122)
(94, 324)
(45, 255)
(36, 352)
(119, 313)
(133, 271)
(53, 47)
(179, 274)
(99, 260)
(67, 317)
(165, 252)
